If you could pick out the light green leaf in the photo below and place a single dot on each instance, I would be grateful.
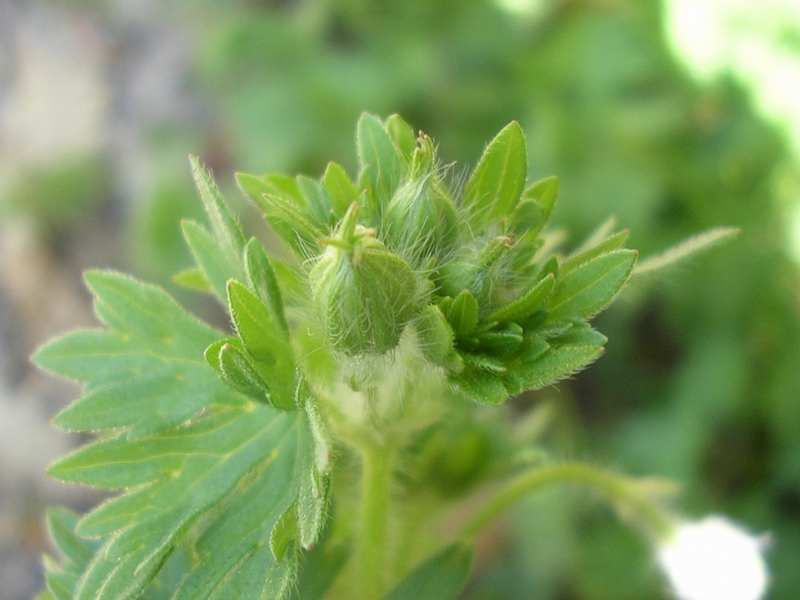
(147, 373)
(381, 163)
(441, 577)
(341, 191)
(286, 211)
(591, 287)
(216, 266)
(402, 135)
(265, 343)
(193, 279)
(228, 234)
(585, 254)
(686, 249)
(495, 187)
(263, 281)
(238, 373)
(545, 193)
(77, 553)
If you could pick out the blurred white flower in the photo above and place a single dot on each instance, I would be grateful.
(714, 559)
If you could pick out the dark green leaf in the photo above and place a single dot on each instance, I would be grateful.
(480, 386)
(523, 306)
(463, 314)
(553, 365)
(441, 577)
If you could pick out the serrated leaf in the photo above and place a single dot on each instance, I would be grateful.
(592, 286)
(179, 475)
(265, 343)
(686, 249)
(463, 314)
(147, 373)
(441, 577)
(531, 300)
(495, 187)
(263, 281)
(381, 163)
(341, 191)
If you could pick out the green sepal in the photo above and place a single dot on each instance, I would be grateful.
(591, 287)
(495, 187)
(284, 533)
(238, 373)
(441, 577)
(193, 279)
(524, 305)
(463, 314)
(341, 191)
(480, 386)
(381, 164)
(262, 279)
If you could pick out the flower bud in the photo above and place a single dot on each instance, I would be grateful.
(364, 294)
(421, 219)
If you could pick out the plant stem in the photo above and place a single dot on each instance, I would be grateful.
(618, 489)
(376, 483)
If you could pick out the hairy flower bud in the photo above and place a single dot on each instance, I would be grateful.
(421, 219)
(364, 294)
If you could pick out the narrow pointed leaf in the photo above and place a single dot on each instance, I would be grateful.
(238, 373)
(193, 279)
(592, 286)
(584, 255)
(686, 249)
(495, 187)
(263, 281)
(522, 307)
(552, 366)
(216, 266)
(463, 314)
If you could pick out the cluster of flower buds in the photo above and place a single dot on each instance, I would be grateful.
(489, 301)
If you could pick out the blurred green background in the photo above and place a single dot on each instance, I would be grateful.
(673, 115)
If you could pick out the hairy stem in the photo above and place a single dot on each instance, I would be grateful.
(620, 490)
(376, 483)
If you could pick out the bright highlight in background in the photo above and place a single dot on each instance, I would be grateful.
(714, 559)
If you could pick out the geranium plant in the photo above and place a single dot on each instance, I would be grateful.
(311, 449)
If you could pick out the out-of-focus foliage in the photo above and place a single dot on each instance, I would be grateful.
(701, 380)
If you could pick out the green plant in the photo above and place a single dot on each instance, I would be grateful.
(355, 380)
